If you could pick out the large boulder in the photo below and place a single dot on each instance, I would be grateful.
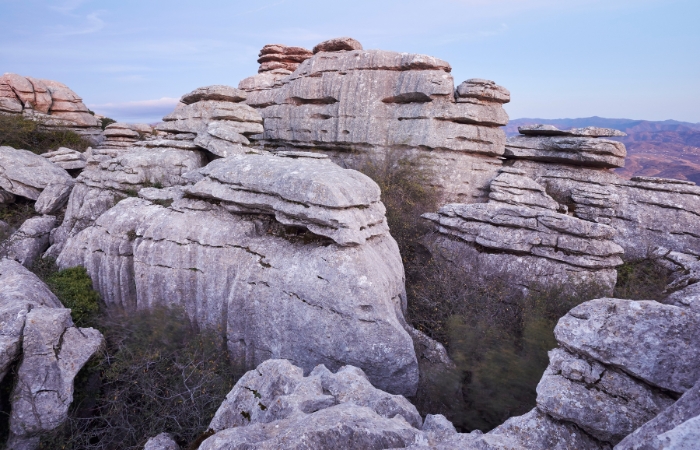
(38, 335)
(27, 174)
(29, 241)
(361, 106)
(289, 256)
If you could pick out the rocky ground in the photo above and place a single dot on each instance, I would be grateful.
(243, 209)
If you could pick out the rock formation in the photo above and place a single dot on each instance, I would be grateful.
(371, 105)
(646, 213)
(67, 159)
(281, 57)
(51, 102)
(289, 255)
(25, 174)
(37, 335)
(124, 135)
(31, 240)
(521, 235)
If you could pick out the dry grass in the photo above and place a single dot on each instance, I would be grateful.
(19, 132)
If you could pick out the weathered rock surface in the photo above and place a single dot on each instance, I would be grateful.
(52, 102)
(26, 174)
(338, 45)
(359, 106)
(164, 441)
(479, 89)
(339, 287)
(646, 213)
(281, 57)
(51, 350)
(651, 341)
(584, 151)
(648, 436)
(551, 130)
(603, 401)
(66, 158)
(519, 235)
(31, 240)
(106, 180)
(124, 135)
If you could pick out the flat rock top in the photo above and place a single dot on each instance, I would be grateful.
(338, 45)
(369, 60)
(214, 92)
(301, 180)
(280, 49)
(551, 130)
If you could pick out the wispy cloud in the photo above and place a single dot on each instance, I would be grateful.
(91, 24)
(140, 110)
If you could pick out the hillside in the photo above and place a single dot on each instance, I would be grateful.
(668, 149)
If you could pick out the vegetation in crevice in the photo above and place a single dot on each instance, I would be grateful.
(20, 132)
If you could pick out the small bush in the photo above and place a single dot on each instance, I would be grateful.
(74, 288)
(158, 373)
(644, 279)
(20, 132)
(106, 121)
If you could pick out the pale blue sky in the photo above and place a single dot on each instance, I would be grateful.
(636, 59)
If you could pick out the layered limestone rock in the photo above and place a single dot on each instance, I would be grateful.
(645, 212)
(377, 106)
(28, 175)
(124, 135)
(288, 255)
(282, 57)
(212, 118)
(51, 102)
(67, 159)
(520, 236)
(38, 334)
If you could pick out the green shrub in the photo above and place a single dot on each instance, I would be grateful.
(74, 288)
(643, 279)
(106, 121)
(22, 133)
(158, 373)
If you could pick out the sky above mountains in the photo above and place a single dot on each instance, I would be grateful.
(132, 60)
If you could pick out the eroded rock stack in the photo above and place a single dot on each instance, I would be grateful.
(290, 255)
(572, 166)
(522, 234)
(213, 118)
(54, 103)
(124, 135)
(38, 335)
(282, 57)
(66, 158)
(359, 105)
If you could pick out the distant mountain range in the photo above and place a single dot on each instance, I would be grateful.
(668, 149)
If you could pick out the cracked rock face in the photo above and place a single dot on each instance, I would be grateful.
(124, 135)
(107, 180)
(319, 291)
(518, 234)
(31, 240)
(645, 212)
(27, 174)
(39, 334)
(66, 158)
(372, 105)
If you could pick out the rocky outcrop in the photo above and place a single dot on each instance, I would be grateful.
(281, 57)
(288, 255)
(337, 45)
(372, 105)
(29, 241)
(27, 174)
(51, 102)
(212, 118)
(124, 135)
(519, 235)
(66, 158)
(37, 334)
(164, 441)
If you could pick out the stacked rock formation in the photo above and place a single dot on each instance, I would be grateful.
(52, 102)
(66, 158)
(212, 118)
(290, 255)
(523, 234)
(572, 165)
(281, 57)
(37, 334)
(359, 105)
(124, 135)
